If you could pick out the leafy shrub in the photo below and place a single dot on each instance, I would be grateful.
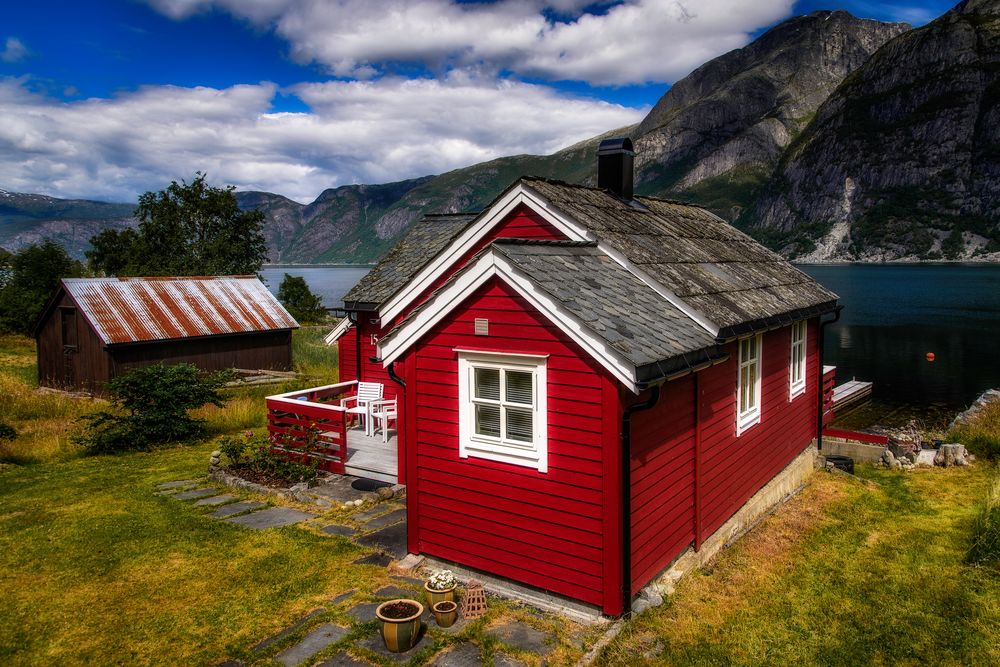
(7, 432)
(151, 408)
(253, 458)
(981, 434)
(985, 548)
(235, 448)
(300, 301)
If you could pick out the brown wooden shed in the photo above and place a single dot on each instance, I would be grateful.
(95, 329)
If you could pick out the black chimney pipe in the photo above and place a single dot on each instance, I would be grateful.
(615, 159)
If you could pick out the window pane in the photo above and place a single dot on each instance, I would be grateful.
(488, 420)
(519, 425)
(487, 384)
(519, 387)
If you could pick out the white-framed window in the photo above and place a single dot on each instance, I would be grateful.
(748, 384)
(502, 408)
(797, 366)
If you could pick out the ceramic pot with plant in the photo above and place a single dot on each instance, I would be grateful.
(445, 613)
(440, 587)
(399, 622)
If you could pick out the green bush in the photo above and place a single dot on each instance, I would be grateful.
(300, 301)
(234, 448)
(985, 548)
(981, 435)
(7, 432)
(253, 458)
(152, 407)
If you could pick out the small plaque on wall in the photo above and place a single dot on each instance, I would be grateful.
(482, 326)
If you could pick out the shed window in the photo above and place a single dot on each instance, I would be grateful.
(748, 384)
(68, 324)
(797, 370)
(502, 408)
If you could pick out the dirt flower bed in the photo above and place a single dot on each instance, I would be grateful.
(251, 458)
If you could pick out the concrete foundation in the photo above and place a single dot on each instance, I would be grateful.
(859, 451)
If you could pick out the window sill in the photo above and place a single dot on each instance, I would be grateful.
(747, 422)
(795, 392)
(491, 452)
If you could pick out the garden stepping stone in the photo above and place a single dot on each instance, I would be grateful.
(361, 517)
(216, 500)
(343, 659)
(465, 654)
(504, 660)
(395, 592)
(391, 540)
(340, 598)
(313, 643)
(419, 583)
(375, 644)
(274, 517)
(337, 529)
(363, 612)
(196, 494)
(236, 508)
(392, 517)
(378, 558)
(287, 631)
(176, 485)
(523, 637)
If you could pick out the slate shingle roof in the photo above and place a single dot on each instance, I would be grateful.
(424, 240)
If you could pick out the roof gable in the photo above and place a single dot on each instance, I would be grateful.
(134, 310)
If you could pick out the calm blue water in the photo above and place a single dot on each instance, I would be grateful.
(893, 316)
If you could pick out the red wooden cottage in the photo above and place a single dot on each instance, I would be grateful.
(588, 381)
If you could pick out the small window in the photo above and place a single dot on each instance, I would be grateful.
(748, 384)
(502, 408)
(797, 370)
(68, 323)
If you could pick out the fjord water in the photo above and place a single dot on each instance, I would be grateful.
(893, 316)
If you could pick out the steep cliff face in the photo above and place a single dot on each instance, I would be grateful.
(903, 160)
(718, 133)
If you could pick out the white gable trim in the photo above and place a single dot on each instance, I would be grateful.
(338, 331)
(472, 235)
(489, 265)
(476, 232)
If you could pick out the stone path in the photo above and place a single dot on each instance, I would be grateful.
(246, 513)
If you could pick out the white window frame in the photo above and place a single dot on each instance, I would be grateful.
(471, 444)
(797, 365)
(751, 416)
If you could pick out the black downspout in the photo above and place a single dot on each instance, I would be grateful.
(819, 406)
(391, 369)
(354, 317)
(627, 493)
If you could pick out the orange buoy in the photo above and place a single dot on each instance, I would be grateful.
(930, 356)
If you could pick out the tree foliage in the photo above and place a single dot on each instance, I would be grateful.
(152, 405)
(188, 229)
(300, 301)
(29, 281)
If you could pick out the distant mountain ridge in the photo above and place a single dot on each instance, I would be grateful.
(753, 135)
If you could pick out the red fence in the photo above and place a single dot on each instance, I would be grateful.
(829, 378)
(309, 425)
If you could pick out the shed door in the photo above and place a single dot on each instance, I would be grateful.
(69, 345)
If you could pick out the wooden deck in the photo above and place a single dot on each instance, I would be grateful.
(849, 393)
(371, 458)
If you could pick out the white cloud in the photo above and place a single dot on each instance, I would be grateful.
(13, 51)
(637, 41)
(357, 132)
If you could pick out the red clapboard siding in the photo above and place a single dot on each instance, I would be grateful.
(542, 529)
(734, 468)
(662, 493)
(347, 356)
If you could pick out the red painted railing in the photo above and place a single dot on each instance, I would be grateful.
(829, 379)
(309, 425)
(870, 438)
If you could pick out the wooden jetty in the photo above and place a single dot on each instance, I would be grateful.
(851, 393)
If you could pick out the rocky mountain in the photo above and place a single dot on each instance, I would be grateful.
(903, 160)
(26, 219)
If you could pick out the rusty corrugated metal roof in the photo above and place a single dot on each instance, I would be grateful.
(135, 310)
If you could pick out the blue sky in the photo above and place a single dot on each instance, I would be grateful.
(107, 99)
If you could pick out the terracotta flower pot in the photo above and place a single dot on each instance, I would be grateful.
(445, 613)
(400, 626)
(435, 596)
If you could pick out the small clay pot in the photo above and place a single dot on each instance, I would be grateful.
(434, 596)
(445, 613)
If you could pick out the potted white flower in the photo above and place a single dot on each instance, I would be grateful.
(440, 587)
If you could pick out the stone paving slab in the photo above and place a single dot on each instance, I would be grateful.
(419, 583)
(392, 517)
(398, 592)
(340, 598)
(313, 643)
(378, 558)
(465, 654)
(342, 659)
(361, 517)
(273, 517)
(504, 660)
(523, 637)
(391, 540)
(195, 494)
(374, 643)
(338, 489)
(216, 500)
(236, 508)
(337, 529)
(176, 485)
(363, 612)
(274, 639)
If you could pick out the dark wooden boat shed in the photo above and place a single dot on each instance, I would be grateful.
(95, 329)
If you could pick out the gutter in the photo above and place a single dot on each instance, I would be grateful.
(626, 501)
(819, 400)
(391, 370)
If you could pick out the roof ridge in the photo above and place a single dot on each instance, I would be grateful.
(556, 181)
(545, 242)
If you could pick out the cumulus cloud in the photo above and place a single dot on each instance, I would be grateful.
(14, 50)
(636, 41)
(356, 132)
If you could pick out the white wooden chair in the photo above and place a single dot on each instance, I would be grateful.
(384, 411)
(367, 392)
